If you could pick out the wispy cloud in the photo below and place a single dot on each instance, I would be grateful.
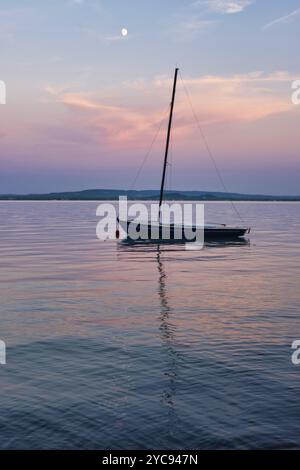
(108, 123)
(217, 99)
(283, 19)
(189, 28)
(94, 5)
(98, 36)
(196, 18)
(116, 37)
(225, 6)
(78, 100)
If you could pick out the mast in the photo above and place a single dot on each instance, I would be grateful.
(167, 144)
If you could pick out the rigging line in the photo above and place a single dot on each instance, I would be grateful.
(209, 150)
(169, 168)
(149, 151)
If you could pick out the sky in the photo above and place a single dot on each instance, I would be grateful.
(84, 104)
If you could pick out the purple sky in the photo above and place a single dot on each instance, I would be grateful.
(84, 102)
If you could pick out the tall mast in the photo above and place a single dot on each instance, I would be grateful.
(167, 144)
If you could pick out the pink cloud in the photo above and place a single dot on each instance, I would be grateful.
(216, 100)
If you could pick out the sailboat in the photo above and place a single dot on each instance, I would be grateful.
(159, 228)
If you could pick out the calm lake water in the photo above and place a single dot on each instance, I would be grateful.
(111, 346)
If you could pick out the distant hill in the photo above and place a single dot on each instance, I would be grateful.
(145, 195)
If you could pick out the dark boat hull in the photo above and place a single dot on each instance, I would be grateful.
(211, 234)
(170, 233)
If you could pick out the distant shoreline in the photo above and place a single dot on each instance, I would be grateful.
(147, 195)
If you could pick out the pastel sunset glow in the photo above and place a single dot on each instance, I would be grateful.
(89, 82)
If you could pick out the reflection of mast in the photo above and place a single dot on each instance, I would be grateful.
(168, 336)
(165, 326)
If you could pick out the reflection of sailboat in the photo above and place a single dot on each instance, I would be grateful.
(167, 330)
(156, 230)
(167, 333)
(178, 244)
(165, 327)
(172, 358)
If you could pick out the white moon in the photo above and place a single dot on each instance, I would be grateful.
(124, 32)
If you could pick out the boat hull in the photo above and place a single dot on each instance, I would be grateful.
(175, 233)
